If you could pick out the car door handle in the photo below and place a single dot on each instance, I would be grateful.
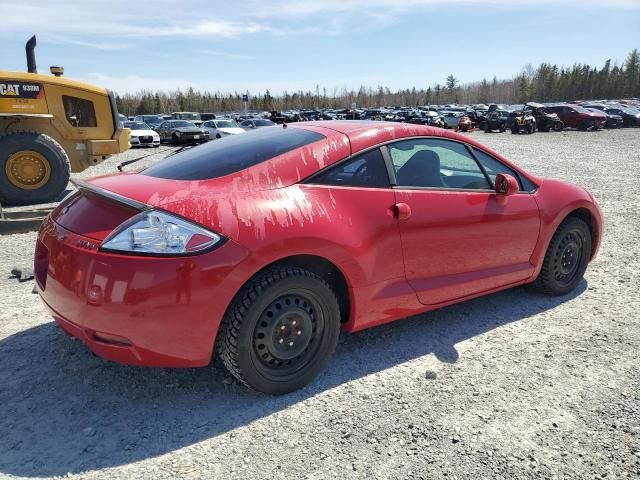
(402, 211)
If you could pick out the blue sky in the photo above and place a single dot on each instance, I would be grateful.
(290, 45)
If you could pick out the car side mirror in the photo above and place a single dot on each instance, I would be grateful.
(506, 184)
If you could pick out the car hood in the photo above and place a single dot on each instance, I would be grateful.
(187, 129)
(232, 130)
(143, 133)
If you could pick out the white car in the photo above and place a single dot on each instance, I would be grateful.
(221, 128)
(142, 135)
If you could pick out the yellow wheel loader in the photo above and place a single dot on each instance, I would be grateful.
(51, 126)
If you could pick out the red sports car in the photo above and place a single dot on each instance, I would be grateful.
(267, 245)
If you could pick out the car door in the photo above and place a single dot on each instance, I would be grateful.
(358, 194)
(458, 237)
(163, 130)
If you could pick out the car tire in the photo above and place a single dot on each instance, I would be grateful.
(218, 135)
(41, 152)
(557, 127)
(280, 330)
(502, 129)
(566, 258)
(514, 130)
(174, 139)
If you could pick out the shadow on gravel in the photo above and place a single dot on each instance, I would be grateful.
(67, 411)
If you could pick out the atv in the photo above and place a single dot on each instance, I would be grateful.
(465, 124)
(545, 121)
(524, 122)
(494, 120)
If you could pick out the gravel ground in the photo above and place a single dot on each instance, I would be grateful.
(513, 385)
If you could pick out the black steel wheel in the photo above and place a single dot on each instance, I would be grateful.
(280, 331)
(284, 336)
(566, 259)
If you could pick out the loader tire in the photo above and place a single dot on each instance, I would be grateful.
(34, 169)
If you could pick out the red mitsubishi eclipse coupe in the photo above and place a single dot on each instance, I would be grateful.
(266, 245)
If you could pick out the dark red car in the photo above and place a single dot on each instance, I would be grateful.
(575, 116)
(267, 245)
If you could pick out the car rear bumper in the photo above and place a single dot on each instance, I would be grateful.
(161, 312)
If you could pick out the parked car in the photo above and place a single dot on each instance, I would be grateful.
(545, 121)
(153, 121)
(193, 117)
(574, 116)
(495, 119)
(142, 135)
(252, 123)
(612, 121)
(241, 248)
(451, 119)
(222, 127)
(630, 116)
(181, 131)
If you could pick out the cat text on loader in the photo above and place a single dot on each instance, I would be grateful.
(51, 126)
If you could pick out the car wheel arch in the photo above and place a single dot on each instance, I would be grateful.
(587, 216)
(579, 211)
(321, 266)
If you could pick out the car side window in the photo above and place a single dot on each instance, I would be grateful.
(365, 170)
(436, 163)
(493, 167)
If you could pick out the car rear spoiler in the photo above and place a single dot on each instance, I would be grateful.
(83, 186)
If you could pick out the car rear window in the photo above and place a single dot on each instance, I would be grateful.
(231, 154)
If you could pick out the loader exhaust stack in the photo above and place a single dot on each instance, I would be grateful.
(31, 56)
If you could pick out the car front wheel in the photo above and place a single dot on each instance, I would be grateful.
(280, 330)
(566, 259)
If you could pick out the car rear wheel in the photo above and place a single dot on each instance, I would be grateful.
(280, 330)
(566, 259)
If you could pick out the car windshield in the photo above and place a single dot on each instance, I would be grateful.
(226, 124)
(264, 123)
(136, 125)
(231, 154)
(187, 116)
(182, 123)
(582, 110)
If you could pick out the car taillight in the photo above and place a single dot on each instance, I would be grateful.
(155, 232)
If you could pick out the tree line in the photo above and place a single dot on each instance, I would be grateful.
(546, 83)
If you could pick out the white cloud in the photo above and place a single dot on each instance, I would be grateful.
(93, 22)
(136, 83)
(106, 45)
(224, 54)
